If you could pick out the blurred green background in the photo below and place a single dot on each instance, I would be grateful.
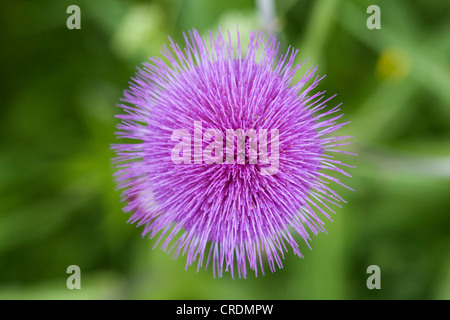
(58, 204)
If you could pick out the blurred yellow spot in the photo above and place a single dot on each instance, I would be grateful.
(394, 64)
(141, 32)
(247, 20)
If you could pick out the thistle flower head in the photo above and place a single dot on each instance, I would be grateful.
(237, 205)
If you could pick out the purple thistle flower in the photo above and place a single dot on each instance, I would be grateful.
(227, 214)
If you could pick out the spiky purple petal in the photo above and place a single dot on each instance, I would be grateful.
(227, 214)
